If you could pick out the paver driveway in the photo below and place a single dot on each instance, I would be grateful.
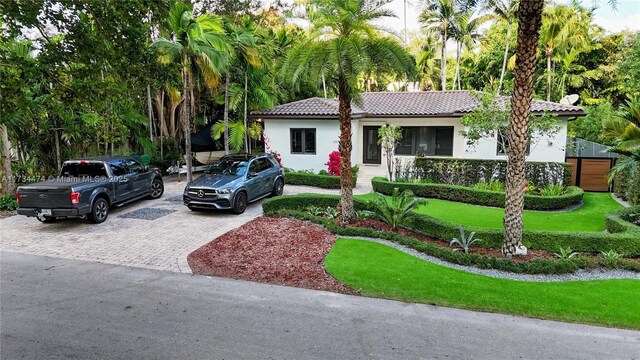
(123, 239)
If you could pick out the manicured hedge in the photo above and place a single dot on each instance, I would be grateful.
(627, 243)
(626, 184)
(538, 266)
(616, 223)
(477, 196)
(321, 181)
(471, 171)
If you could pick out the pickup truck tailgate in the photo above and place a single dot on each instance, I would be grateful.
(45, 196)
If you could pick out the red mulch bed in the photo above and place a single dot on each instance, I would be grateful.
(378, 225)
(270, 250)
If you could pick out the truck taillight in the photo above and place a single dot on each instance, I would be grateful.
(18, 198)
(75, 197)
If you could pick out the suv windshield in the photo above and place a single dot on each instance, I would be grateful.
(228, 167)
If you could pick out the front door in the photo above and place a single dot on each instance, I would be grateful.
(372, 150)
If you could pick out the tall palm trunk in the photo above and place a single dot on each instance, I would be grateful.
(505, 58)
(443, 62)
(226, 115)
(246, 94)
(186, 116)
(150, 112)
(8, 186)
(457, 76)
(346, 188)
(548, 75)
(529, 21)
(164, 131)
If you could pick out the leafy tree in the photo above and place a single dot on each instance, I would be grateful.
(630, 67)
(199, 46)
(438, 18)
(344, 44)
(506, 11)
(388, 137)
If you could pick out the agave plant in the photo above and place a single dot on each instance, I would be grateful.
(314, 210)
(565, 253)
(611, 257)
(331, 212)
(465, 241)
(395, 210)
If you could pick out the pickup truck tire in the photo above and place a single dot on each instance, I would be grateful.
(240, 203)
(99, 211)
(157, 189)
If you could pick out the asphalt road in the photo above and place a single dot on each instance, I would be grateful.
(57, 308)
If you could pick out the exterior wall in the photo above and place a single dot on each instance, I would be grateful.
(327, 138)
(543, 148)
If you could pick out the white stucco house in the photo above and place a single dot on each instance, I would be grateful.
(305, 132)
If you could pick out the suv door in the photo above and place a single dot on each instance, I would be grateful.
(269, 173)
(254, 180)
(122, 183)
(141, 179)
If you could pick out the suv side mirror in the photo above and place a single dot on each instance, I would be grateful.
(252, 175)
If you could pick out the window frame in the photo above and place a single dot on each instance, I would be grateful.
(303, 140)
(431, 140)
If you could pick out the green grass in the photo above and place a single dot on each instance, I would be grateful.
(381, 271)
(589, 217)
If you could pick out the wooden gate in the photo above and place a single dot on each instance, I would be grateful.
(590, 174)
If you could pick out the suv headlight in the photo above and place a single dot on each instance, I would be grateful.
(225, 191)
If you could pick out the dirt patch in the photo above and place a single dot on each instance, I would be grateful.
(269, 250)
(6, 214)
(378, 225)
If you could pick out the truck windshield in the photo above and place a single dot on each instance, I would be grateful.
(83, 169)
(228, 167)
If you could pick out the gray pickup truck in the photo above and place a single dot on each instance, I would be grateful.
(90, 187)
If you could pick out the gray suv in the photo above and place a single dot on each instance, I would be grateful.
(234, 181)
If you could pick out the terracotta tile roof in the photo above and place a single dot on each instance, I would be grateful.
(404, 104)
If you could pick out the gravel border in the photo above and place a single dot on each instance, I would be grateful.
(580, 275)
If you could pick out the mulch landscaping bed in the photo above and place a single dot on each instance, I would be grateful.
(378, 225)
(270, 250)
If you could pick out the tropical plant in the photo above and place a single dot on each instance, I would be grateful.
(625, 133)
(396, 210)
(438, 18)
(611, 257)
(314, 210)
(491, 185)
(505, 10)
(565, 253)
(465, 241)
(8, 202)
(198, 45)
(331, 212)
(466, 33)
(388, 137)
(362, 214)
(333, 165)
(343, 44)
(235, 133)
(552, 190)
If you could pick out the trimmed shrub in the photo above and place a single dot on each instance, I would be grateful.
(468, 195)
(8, 203)
(472, 171)
(616, 221)
(310, 179)
(627, 243)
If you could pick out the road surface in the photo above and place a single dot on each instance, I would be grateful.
(59, 308)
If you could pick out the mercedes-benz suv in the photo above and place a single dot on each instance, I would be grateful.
(235, 181)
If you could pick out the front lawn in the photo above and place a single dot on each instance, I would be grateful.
(381, 271)
(589, 217)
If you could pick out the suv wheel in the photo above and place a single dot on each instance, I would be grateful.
(157, 189)
(99, 211)
(278, 188)
(240, 203)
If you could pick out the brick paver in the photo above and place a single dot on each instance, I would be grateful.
(161, 244)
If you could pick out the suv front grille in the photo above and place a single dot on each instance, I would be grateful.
(202, 193)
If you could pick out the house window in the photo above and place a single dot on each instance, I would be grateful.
(426, 140)
(303, 141)
(500, 150)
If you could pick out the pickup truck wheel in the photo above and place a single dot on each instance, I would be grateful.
(157, 189)
(278, 188)
(240, 203)
(46, 219)
(99, 211)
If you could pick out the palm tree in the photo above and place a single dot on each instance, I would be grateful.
(529, 22)
(625, 132)
(438, 17)
(198, 45)
(343, 44)
(466, 32)
(245, 54)
(427, 71)
(506, 10)
(564, 29)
